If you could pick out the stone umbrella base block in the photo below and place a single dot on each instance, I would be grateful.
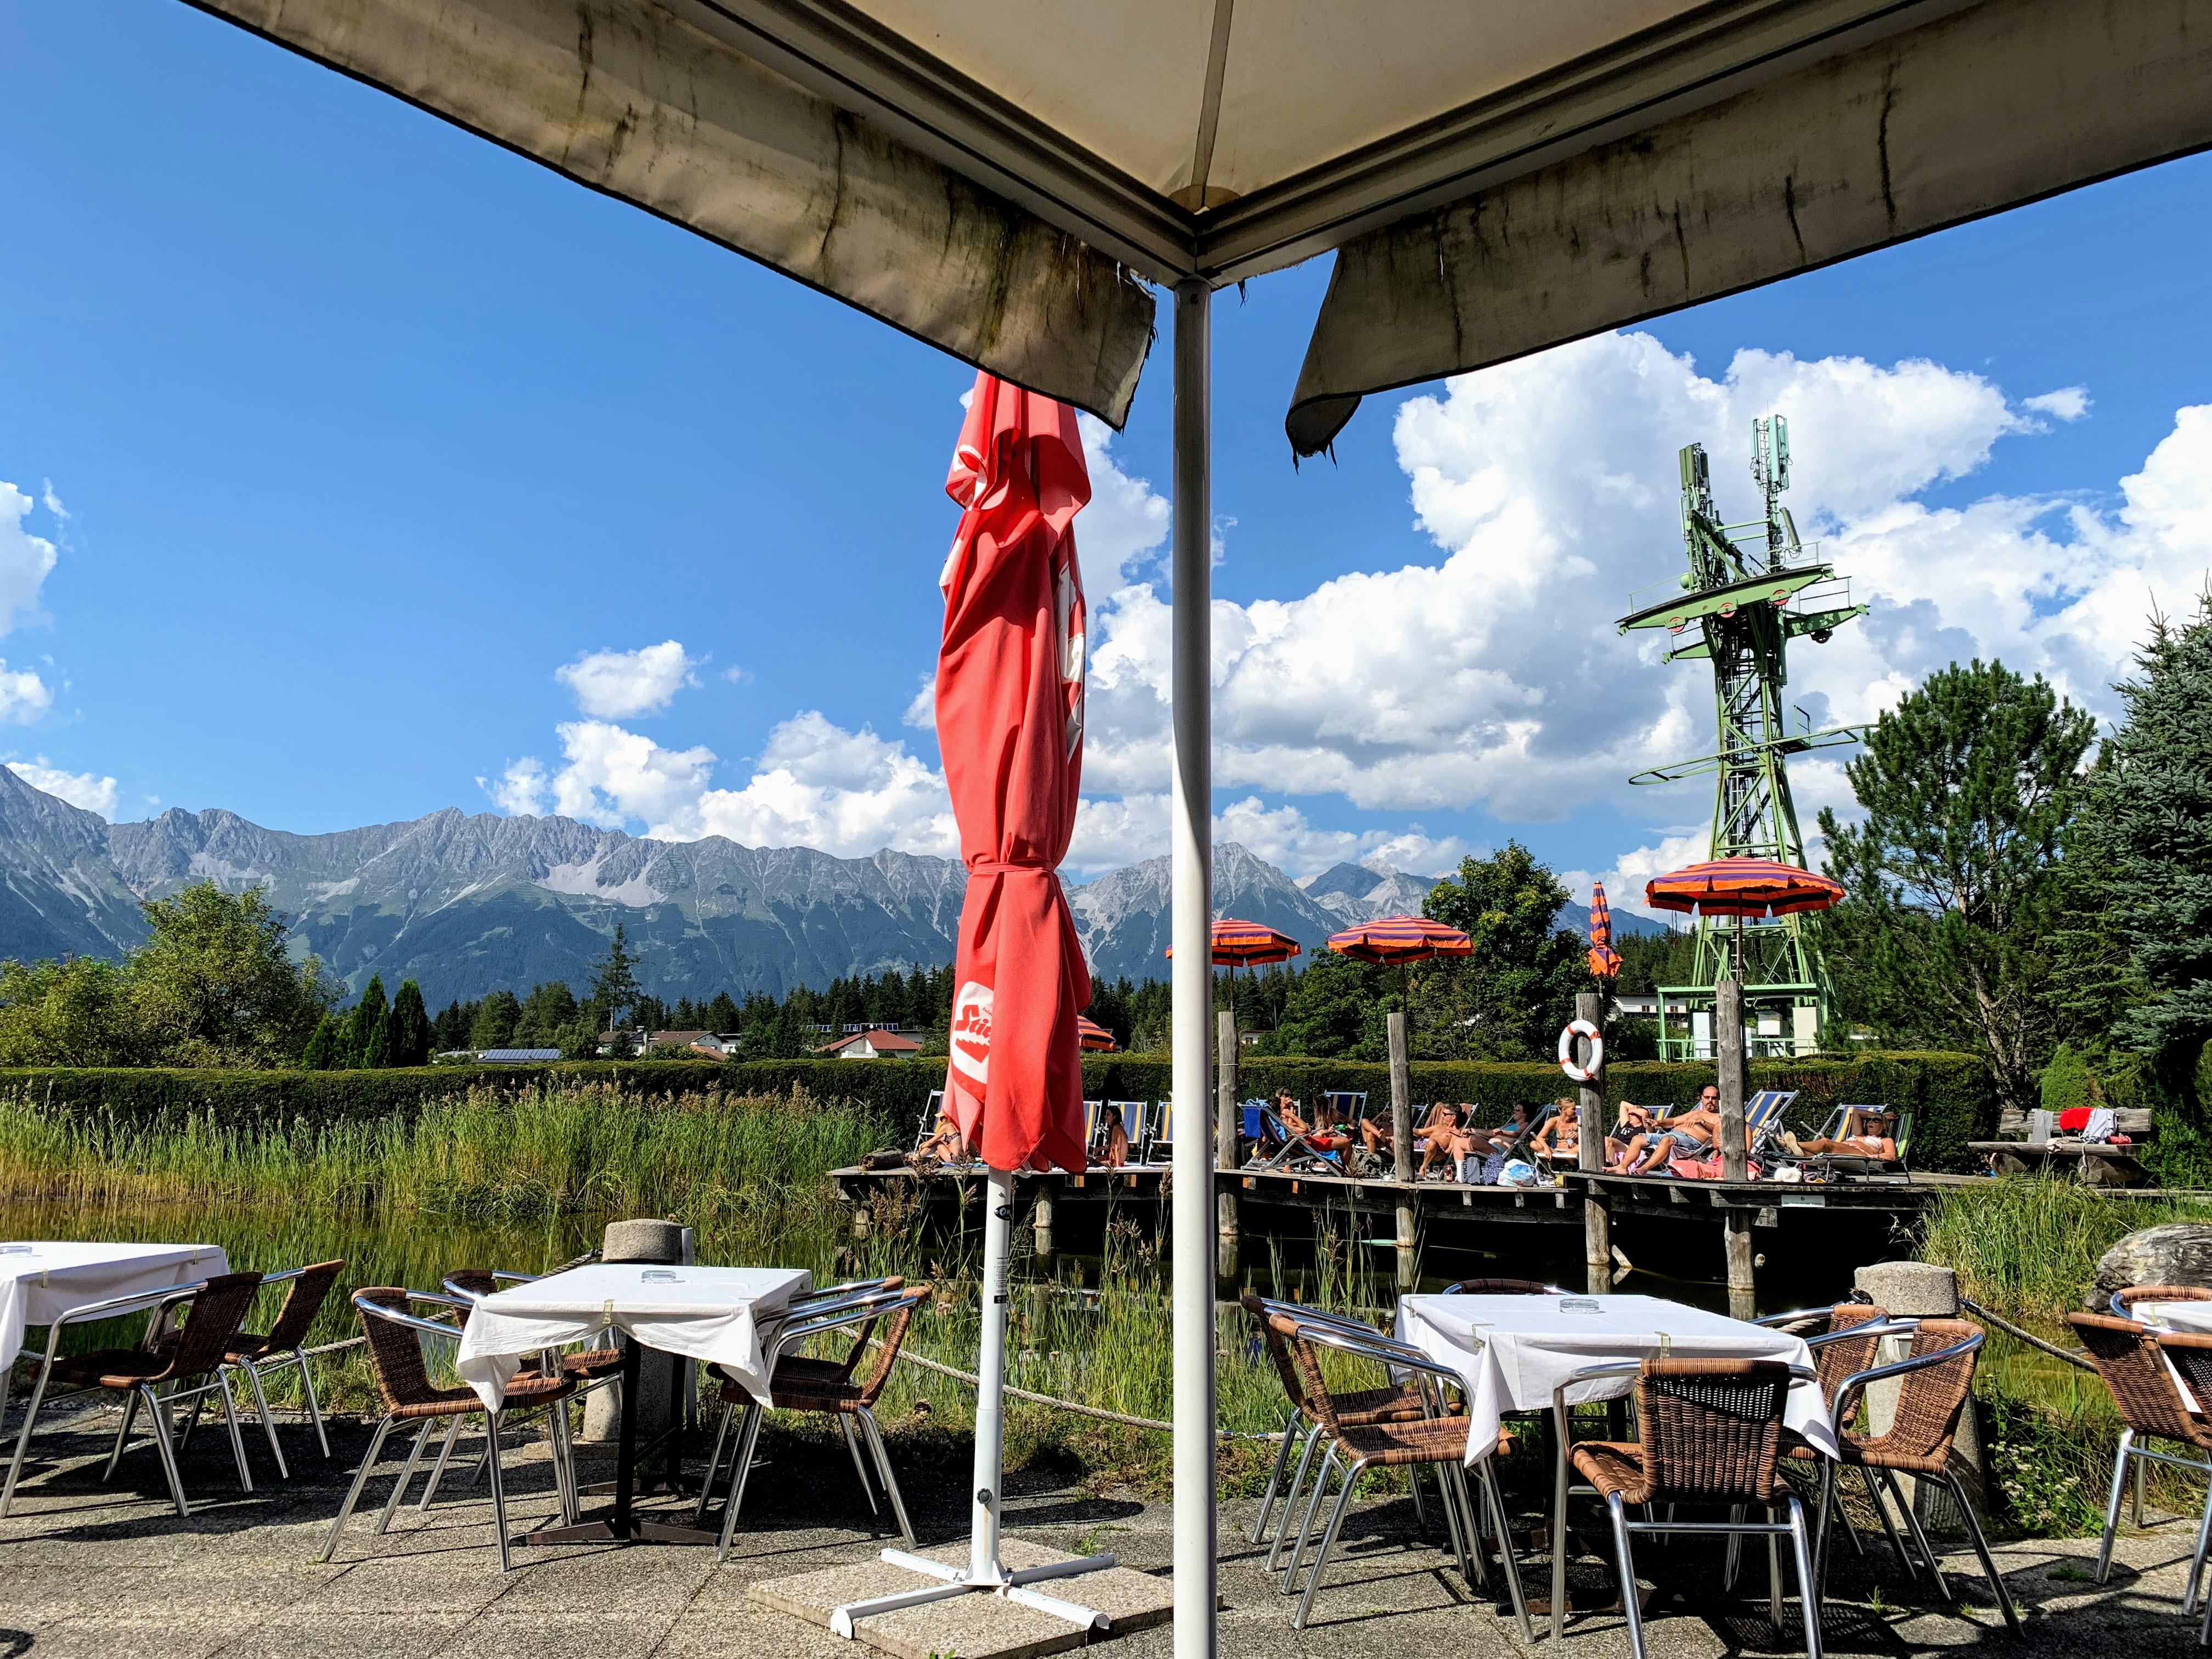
(978, 1625)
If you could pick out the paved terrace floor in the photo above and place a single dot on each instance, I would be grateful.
(89, 1572)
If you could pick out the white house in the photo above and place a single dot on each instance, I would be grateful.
(872, 1044)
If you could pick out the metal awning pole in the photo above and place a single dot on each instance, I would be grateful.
(1191, 828)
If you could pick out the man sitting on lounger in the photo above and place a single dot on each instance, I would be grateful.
(1865, 1135)
(1693, 1133)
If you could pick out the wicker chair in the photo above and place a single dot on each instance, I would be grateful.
(1711, 1435)
(1503, 1287)
(2132, 1359)
(1938, 1377)
(1398, 1402)
(286, 1345)
(2124, 1301)
(830, 1388)
(1434, 1439)
(403, 1380)
(212, 1311)
(1851, 1333)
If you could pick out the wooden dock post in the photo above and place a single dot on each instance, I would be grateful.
(1225, 1125)
(1590, 1113)
(1401, 1143)
(1041, 1215)
(1728, 1056)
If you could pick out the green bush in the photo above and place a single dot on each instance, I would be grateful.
(1950, 1094)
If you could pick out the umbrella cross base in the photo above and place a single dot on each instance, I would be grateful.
(1007, 1624)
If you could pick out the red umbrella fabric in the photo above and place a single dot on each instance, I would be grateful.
(1604, 960)
(1396, 940)
(1742, 887)
(1249, 945)
(1009, 726)
(1091, 1036)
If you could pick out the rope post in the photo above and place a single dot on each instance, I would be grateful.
(1402, 1142)
(1590, 1113)
(1225, 1125)
(1729, 1057)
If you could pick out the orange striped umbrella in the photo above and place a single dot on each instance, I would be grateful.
(1249, 945)
(1604, 960)
(1397, 941)
(1092, 1036)
(1742, 887)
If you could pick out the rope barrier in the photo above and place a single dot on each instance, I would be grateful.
(2028, 1337)
(1100, 1413)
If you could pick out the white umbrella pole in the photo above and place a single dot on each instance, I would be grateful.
(991, 1385)
(1191, 831)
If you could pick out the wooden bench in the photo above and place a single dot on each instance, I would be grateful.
(2098, 1162)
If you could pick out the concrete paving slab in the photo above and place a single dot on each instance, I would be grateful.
(318, 1636)
(496, 1635)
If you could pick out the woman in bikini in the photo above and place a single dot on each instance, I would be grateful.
(1862, 1136)
(1561, 1137)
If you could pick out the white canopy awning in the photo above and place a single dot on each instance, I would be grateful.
(991, 175)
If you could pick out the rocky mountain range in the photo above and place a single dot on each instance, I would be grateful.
(467, 904)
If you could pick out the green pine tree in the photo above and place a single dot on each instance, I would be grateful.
(376, 1051)
(614, 981)
(361, 1021)
(497, 1015)
(1954, 875)
(2136, 953)
(321, 1053)
(410, 1027)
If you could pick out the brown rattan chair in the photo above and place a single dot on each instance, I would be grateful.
(153, 1375)
(2132, 1359)
(836, 1390)
(402, 1383)
(1395, 1402)
(1710, 1436)
(286, 1345)
(2124, 1301)
(1435, 1440)
(1503, 1287)
(1851, 1333)
(1937, 1380)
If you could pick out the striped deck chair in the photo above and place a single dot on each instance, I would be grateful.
(1159, 1139)
(928, 1117)
(1091, 1109)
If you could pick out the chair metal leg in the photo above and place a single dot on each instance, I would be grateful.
(122, 1436)
(1732, 1560)
(1982, 1549)
(1306, 1527)
(314, 1405)
(1774, 1570)
(1488, 1476)
(1466, 1544)
(1629, 1606)
(168, 1453)
(268, 1422)
(564, 1464)
(1809, 1589)
(30, 1416)
(2142, 1470)
(852, 1450)
(739, 1468)
(1352, 1474)
(230, 1422)
(713, 1462)
(875, 1435)
(406, 1474)
(1559, 1530)
(1275, 1475)
(498, 1486)
(353, 1494)
(1919, 1538)
(438, 1468)
(1291, 1497)
(1420, 1504)
(1873, 1492)
(2197, 1560)
(2111, 1504)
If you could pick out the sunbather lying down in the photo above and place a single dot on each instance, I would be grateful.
(1323, 1137)
(943, 1143)
(1864, 1136)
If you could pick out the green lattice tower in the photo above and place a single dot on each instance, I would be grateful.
(1749, 590)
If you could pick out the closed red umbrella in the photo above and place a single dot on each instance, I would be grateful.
(1009, 727)
(1604, 960)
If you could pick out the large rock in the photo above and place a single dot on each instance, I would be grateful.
(2177, 1253)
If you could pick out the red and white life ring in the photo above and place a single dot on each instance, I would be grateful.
(1568, 1033)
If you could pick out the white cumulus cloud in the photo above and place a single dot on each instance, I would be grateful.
(86, 789)
(23, 696)
(26, 560)
(622, 684)
(2069, 402)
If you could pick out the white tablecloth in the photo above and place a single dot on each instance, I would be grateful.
(1513, 1350)
(717, 1315)
(41, 1281)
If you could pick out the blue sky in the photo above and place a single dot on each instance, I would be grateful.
(363, 427)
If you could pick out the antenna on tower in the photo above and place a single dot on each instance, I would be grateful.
(1770, 468)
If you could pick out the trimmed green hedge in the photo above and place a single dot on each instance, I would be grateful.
(1950, 1094)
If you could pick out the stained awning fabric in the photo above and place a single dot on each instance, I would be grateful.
(1002, 178)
